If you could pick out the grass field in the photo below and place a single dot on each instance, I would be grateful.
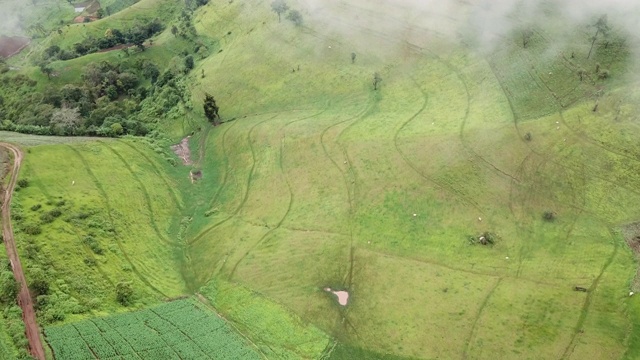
(316, 180)
(116, 205)
(183, 329)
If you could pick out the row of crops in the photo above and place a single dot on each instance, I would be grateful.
(183, 329)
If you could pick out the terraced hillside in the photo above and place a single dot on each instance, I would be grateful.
(322, 181)
(460, 201)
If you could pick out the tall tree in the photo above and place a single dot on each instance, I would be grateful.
(211, 109)
(279, 7)
(602, 28)
(66, 119)
(526, 37)
(295, 17)
(376, 81)
(44, 67)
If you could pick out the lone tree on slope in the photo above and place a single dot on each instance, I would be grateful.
(211, 109)
(602, 27)
(295, 17)
(376, 81)
(46, 69)
(279, 7)
(526, 37)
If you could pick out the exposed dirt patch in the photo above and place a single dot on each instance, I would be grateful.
(631, 235)
(80, 19)
(11, 45)
(183, 152)
(343, 296)
(117, 47)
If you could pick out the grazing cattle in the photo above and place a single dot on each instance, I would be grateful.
(579, 288)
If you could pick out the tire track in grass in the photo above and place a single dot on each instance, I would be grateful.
(202, 145)
(158, 172)
(474, 325)
(353, 205)
(145, 194)
(525, 250)
(428, 262)
(491, 166)
(543, 155)
(587, 303)
(291, 196)
(585, 308)
(580, 135)
(225, 157)
(105, 197)
(206, 231)
(457, 193)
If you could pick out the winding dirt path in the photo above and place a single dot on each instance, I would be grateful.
(24, 298)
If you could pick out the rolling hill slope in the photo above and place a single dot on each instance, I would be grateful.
(317, 180)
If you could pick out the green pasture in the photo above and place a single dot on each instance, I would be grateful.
(315, 180)
(117, 193)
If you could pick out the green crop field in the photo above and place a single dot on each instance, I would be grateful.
(315, 179)
(182, 329)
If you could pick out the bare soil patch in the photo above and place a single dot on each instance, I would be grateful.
(117, 47)
(343, 296)
(183, 152)
(11, 45)
(80, 19)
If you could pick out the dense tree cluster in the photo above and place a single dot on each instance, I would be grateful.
(112, 37)
(109, 102)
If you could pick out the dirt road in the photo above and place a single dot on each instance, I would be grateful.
(24, 298)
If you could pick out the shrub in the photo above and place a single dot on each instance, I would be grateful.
(36, 207)
(549, 215)
(46, 218)
(55, 212)
(23, 183)
(32, 229)
(8, 288)
(93, 244)
(124, 293)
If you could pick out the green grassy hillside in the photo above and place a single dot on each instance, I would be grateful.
(315, 179)
(107, 212)
(322, 181)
